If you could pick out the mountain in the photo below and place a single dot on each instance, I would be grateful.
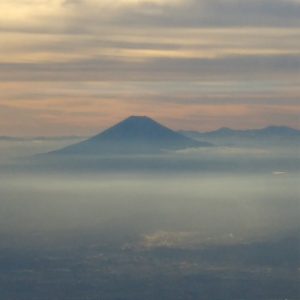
(134, 135)
(11, 138)
(271, 135)
(39, 138)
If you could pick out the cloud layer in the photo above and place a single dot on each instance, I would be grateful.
(249, 46)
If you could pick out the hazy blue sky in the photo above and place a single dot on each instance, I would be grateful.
(78, 66)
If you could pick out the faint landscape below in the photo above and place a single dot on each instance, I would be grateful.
(219, 223)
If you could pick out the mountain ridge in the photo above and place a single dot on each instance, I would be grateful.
(270, 135)
(272, 129)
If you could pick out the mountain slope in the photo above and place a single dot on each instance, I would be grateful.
(134, 135)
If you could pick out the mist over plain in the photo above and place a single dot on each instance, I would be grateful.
(223, 211)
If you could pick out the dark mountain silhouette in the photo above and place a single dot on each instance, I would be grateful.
(269, 135)
(134, 135)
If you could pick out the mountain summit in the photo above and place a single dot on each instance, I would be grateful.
(134, 135)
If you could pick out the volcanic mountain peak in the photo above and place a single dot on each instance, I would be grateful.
(136, 134)
(140, 118)
(139, 128)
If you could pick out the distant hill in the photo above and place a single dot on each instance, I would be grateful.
(271, 135)
(11, 138)
(39, 138)
(134, 135)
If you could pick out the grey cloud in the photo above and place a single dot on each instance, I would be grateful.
(85, 17)
(217, 13)
(72, 2)
(227, 68)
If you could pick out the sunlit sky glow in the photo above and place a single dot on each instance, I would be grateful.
(78, 66)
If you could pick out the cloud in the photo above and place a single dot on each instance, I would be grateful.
(228, 152)
(244, 52)
(216, 13)
(90, 15)
(155, 69)
(85, 108)
(105, 40)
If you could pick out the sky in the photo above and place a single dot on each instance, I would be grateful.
(75, 67)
